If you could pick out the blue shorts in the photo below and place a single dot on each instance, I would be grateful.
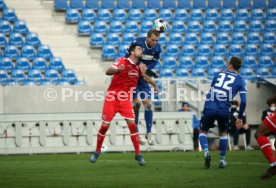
(142, 91)
(209, 116)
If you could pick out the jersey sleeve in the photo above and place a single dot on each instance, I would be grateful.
(243, 92)
(118, 63)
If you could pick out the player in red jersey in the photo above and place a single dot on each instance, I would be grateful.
(268, 127)
(126, 73)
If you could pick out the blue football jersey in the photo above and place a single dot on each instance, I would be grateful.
(150, 55)
(225, 86)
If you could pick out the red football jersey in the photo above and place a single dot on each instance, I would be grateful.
(125, 81)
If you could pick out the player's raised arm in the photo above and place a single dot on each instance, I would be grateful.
(151, 82)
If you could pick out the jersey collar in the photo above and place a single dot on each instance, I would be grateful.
(147, 45)
(131, 61)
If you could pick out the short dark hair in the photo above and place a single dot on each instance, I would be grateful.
(132, 47)
(153, 31)
(236, 63)
(185, 103)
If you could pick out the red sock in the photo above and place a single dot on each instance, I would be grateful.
(266, 148)
(100, 137)
(134, 135)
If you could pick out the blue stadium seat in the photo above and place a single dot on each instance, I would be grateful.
(51, 75)
(256, 26)
(212, 14)
(242, 14)
(267, 49)
(186, 62)
(166, 14)
(191, 38)
(270, 25)
(181, 14)
(84, 28)
(216, 4)
(204, 50)
(196, 14)
(135, 14)
(178, 26)
(254, 38)
(3, 77)
(186, 4)
(220, 50)
(202, 61)
(11, 51)
(249, 62)
(188, 50)
(108, 4)
(113, 39)
(271, 13)
(76, 4)
(169, 62)
(251, 49)
(218, 62)
(45, 52)
(16, 39)
(262, 72)
(116, 26)
(240, 26)
(182, 72)
(39, 63)
(72, 16)
(96, 40)
(5, 27)
(244, 4)
(56, 64)
(175, 38)
(169, 4)
(120, 15)
(28, 51)
(6, 64)
(212, 71)
(162, 39)
(123, 4)
(273, 72)
(207, 38)
(238, 38)
(146, 25)
(100, 26)
(194, 26)
(32, 39)
(198, 72)
(229, 4)
(236, 50)
(44, 82)
(109, 52)
(17, 74)
(199, 4)
(23, 63)
(132, 27)
(227, 14)
(247, 74)
(122, 50)
(138, 4)
(210, 26)
(3, 40)
(104, 15)
(257, 14)
(92, 4)
(20, 27)
(223, 38)
(9, 15)
(269, 38)
(259, 4)
(154, 4)
(128, 38)
(272, 4)
(265, 61)
(61, 5)
(172, 50)
(166, 73)
(88, 15)
(225, 26)
(150, 14)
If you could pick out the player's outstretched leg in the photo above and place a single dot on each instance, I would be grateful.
(148, 119)
(223, 142)
(136, 107)
(94, 157)
(204, 144)
(140, 160)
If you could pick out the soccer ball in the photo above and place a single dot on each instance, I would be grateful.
(160, 25)
(104, 149)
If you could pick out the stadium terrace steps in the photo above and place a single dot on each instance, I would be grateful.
(64, 43)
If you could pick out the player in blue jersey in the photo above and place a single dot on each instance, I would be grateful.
(224, 88)
(151, 55)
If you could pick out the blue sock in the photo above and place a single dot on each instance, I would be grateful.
(204, 143)
(136, 118)
(148, 119)
(223, 142)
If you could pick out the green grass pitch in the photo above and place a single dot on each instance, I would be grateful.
(163, 169)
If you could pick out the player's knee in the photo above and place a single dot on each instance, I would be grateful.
(148, 107)
(257, 134)
(136, 105)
